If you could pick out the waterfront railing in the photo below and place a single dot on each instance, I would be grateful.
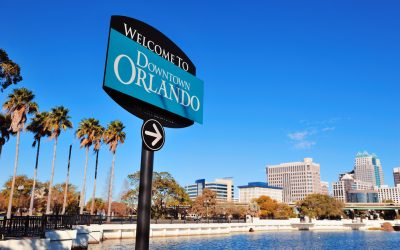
(36, 226)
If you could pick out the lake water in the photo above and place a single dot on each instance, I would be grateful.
(270, 240)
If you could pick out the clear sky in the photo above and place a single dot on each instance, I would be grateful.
(283, 81)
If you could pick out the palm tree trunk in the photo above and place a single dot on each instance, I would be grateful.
(94, 184)
(34, 179)
(13, 179)
(52, 176)
(110, 189)
(67, 181)
(83, 191)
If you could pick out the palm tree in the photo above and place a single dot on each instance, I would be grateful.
(5, 123)
(10, 72)
(58, 120)
(86, 132)
(39, 129)
(113, 135)
(97, 140)
(19, 104)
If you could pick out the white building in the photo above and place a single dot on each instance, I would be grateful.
(368, 168)
(386, 193)
(348, 183)
(256, 189)
(222, 187)
(298, 179)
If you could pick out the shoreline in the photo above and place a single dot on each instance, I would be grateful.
(84, 236)
(95, 234)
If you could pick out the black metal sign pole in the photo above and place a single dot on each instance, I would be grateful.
(153, 137)
(144, 206)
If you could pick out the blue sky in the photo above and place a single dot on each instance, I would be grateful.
(283, 81)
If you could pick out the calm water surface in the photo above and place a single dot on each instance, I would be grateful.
(269, 240)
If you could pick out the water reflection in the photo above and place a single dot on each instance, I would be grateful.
(269, 240)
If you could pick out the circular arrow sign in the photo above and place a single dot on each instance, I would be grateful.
(153, 135)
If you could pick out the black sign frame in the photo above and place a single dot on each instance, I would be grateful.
(139, 108)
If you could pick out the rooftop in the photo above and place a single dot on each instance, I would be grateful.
(365, 154)
(306, 161)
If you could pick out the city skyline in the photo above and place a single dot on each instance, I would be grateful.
(328, 187)
(301, 99)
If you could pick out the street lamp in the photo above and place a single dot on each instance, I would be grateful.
(20, 189)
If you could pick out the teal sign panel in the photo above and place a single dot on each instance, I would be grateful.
(143, 74)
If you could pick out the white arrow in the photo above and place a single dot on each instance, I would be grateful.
(157, 135)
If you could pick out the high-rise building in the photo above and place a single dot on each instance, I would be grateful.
(347, 183)
(222, 187)
(387, 193)
(325, 187)
(368, 168)
(298, 179)
(256, 189)
(396, 176)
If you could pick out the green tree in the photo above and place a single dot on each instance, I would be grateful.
(57, 121)
(267, 206)
(272, 209)
(236, 212)
(5, 123)
(98, 204)
(284, 211)
(178, 201)
(3, 202)
(130, 198)
(21, 196)
(19, 105)
(202, 204)
(10, 72)
(39, 130)
(231, 210)
(86, 132)
(119, 208)
(57, 200)
(320, 206)
(113, 136)
(166, 192)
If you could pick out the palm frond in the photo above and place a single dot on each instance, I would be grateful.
(58, 121)
(18, 105)
(89, 132)
(114, 135)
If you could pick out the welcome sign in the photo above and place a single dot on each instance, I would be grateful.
(148, 75)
